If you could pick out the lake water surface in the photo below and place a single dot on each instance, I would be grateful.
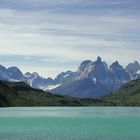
(70, 123)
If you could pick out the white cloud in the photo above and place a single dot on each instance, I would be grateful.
(69, 36)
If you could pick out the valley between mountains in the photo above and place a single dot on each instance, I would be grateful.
(19, 94)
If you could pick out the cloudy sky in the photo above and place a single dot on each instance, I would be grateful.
(51, 36)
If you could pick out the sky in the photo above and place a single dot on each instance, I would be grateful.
(51, 36)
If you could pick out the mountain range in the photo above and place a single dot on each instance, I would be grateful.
(92, 79)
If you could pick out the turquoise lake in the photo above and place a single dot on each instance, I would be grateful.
(70, 123)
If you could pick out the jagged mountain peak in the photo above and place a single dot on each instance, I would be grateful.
(136, 63)
(115, 64)
(86, 62)
(99, 59)
(89, 63)
(115, 67)
(119, 72)
(133, 68)
(93, 70)
(28, 73)
(33, 74)
(65, 77)
(37, 81)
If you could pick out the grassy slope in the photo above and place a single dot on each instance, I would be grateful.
(20, 94)
(127, 95)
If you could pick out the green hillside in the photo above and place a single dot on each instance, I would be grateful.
(20, 94)
(127, 95)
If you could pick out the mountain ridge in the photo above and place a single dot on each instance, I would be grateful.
(104, 78)
(99, 78)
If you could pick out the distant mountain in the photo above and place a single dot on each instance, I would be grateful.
(84, 88)
(98, 72)
(134, 70)
(65, 77)
(133, 67)
(37, 81)
(120, 74)
(3, 73)
(15, 74)
(96, 79)
(11, 74)
(92, 79)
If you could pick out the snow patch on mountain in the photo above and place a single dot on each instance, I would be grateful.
(51, 87)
